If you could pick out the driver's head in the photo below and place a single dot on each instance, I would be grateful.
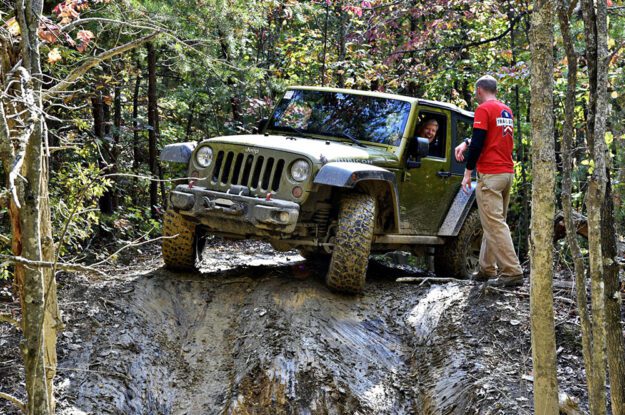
(429, 129)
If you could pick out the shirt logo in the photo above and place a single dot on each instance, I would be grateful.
(506, 122)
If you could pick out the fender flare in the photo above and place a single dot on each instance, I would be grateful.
(178, 152)
(458, 212)
(349, 175)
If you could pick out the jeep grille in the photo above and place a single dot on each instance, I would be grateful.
(254, 171)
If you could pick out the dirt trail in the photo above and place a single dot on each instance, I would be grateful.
(271, 338)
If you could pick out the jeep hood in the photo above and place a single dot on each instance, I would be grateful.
(317, 150)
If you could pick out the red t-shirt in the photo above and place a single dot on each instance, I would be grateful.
(496, 156)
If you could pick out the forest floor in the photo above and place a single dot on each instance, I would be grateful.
(257, 332)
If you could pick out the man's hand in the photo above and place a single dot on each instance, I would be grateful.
(459, 151)
(466, 180)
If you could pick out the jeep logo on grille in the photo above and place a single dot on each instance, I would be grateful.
(252, 150)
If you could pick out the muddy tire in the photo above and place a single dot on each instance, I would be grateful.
(179, 253)
(348, 266)
(459, 257)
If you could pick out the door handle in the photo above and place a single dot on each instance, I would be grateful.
(443, 174)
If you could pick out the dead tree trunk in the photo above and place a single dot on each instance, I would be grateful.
(543, 209)
(152, 121)
(568, 133)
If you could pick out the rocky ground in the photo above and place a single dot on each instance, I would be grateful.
(257, 332)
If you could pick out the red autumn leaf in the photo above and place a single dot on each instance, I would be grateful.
(85, 36)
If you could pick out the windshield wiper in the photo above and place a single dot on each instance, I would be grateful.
(344, 134)
(284, 128)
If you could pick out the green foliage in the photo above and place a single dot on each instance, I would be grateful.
(75, 189)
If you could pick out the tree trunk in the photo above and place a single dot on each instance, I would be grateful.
(152, 121)
(37, 290)
(614, 328)
(117, 127)
(99, 130)
(568, 134)
(596, 35)
(543, 209)
(341, 45)
(136, 145)
(523, 222)
(189, 129)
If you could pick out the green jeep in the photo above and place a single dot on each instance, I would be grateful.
(336, 173)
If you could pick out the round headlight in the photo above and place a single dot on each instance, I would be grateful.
(300, 170)
(204, 156)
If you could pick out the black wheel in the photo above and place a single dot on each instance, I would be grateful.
(354, 234)
(180, 243)
(460, 256)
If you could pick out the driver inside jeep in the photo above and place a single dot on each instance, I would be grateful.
(429, 129)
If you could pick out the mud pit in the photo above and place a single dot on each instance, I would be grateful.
(257, 332)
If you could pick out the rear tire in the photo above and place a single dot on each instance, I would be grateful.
(459, 257)
(179, 245)
(350, 258)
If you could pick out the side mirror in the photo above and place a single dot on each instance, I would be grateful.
(260, 126)
(422, 147)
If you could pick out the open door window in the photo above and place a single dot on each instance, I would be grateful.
(432, 126)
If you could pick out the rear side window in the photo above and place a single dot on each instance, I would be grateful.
(463, 128)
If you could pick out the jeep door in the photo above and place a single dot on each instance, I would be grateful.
(426, 192)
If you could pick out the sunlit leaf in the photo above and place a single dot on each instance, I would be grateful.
(54, 56)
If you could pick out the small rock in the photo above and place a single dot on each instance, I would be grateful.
(514, 322)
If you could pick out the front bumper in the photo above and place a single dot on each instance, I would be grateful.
(235, 214)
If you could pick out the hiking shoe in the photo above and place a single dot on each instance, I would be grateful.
(506, 281)
(481, 277)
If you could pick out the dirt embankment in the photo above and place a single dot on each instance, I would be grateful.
(258, 333)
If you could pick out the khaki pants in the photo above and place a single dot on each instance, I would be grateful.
(497, 251)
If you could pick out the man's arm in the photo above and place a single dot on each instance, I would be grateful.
(475, 149)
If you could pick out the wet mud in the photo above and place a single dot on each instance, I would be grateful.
(257, 332)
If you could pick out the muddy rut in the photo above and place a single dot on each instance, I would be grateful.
(258, 333)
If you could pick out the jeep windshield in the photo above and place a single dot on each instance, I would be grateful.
(333, 114)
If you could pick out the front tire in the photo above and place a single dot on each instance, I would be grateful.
(350, 258)
(460, 256)
(180, 244)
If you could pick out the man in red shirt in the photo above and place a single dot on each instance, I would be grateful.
(490, 150)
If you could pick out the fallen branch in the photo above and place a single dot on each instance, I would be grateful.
(46, 264)
(423, 280)
(21, 405)
(135, 244)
